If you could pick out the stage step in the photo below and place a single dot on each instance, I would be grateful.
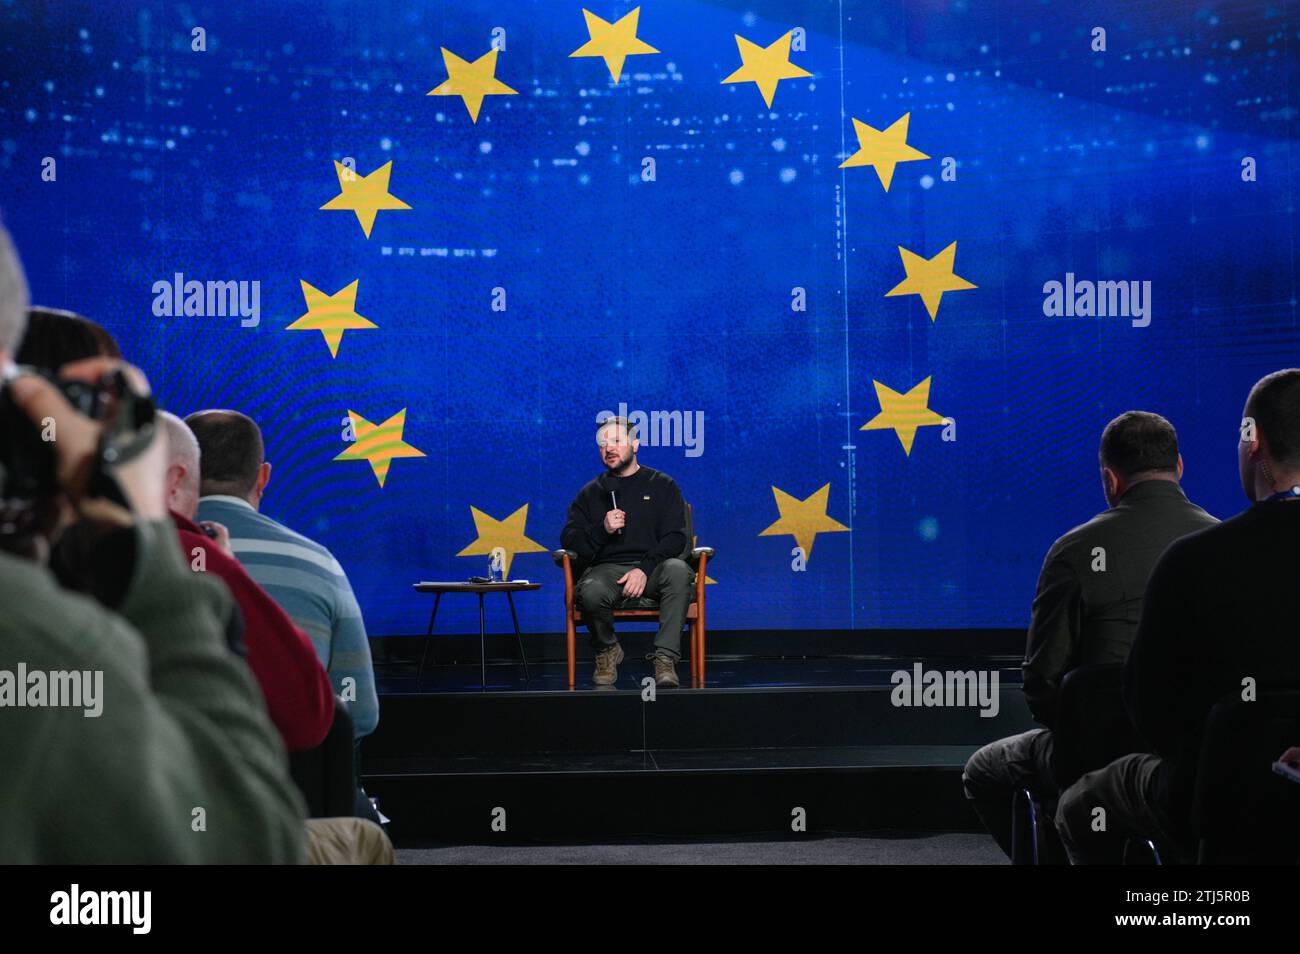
(675, 793)
(694, 762)
(589, 721)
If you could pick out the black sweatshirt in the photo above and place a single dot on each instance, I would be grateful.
(1221, 605)
(655, 529)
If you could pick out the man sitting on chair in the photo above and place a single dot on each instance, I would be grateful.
(629, 526)
(1218, 615)
(1086, 613)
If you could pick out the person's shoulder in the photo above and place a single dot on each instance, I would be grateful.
(255, 527)
(1172, 500)
(1083, 535)
(267, 526)
(586, 494)
(1198, 517)
(1215, 532)
(49, 627)
(1201, 546)
(226, 512)
(290, 536)
(658, 477)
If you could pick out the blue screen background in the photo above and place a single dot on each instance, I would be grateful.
(676, 294)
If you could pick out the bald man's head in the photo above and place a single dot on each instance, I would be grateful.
(183, 465)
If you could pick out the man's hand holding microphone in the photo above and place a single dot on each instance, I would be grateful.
(633, 580)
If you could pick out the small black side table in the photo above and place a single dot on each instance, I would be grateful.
(508, 588)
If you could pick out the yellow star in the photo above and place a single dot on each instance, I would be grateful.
(508, 534)
(471, 81)
(765, 66)
(379, 444)
(883, 150)
(903, 413)
(803, 519)
(365, 196)
(613, 41)
(331, 315)
(929, 278)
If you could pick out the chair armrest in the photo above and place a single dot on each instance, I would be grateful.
(564, 559)
(700, 556)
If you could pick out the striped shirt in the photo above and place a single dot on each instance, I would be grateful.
(310, 585)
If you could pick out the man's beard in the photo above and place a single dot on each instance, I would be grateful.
(617, 470)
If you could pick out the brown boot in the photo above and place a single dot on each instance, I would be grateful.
(607, 661)
(665, 671)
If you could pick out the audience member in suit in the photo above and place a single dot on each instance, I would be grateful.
(1086, 611)
(1221, 608)
(299, 697)
(300, 574)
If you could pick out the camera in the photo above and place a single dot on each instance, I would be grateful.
(30, 490)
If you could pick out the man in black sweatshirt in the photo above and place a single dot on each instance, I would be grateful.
(1220, 609)
(629, 527)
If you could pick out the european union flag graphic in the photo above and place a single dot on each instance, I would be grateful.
(870, 278)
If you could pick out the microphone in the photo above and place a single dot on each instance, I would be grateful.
(614, 501)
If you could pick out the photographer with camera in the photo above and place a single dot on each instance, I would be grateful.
(177, 761)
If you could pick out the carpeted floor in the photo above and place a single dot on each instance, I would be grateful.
(927, 849)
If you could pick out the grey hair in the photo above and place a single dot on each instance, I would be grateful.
(14, 298)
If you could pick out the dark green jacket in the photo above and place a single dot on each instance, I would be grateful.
(183, 741)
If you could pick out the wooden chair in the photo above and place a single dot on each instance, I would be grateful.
(641, 609)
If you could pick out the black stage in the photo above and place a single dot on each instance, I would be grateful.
(765, 736)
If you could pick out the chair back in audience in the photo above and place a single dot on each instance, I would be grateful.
(326, 774)
(1092, 727)
(1243, 812)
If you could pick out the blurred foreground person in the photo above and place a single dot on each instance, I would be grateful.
(130, 733)
(296, 689)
